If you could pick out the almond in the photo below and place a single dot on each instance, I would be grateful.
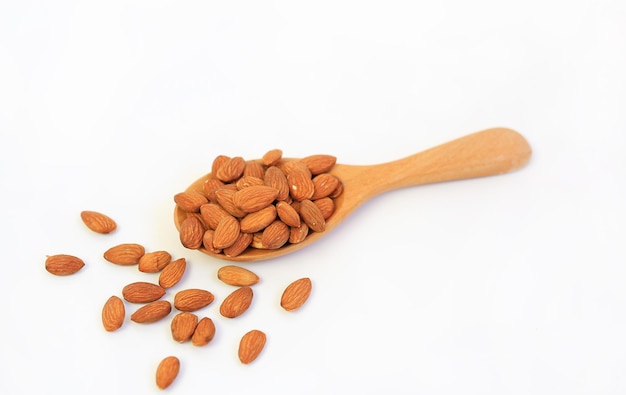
(172, 273)
(248, 181)
(300, 183)
(142, 292)
(226, 232)
(212, 213)
(318, 164)
(237, 275)
(259, 220)
(254, 198)
(190, 201)
(271, 157)
(326, 206)
(113, 313)
(152, 312)
(192, 299)
(153, 262)
(191, 232)
(254, 169)
(218, 162)
(98, 222)
(298, 234)
(231, 170)
(63, 264)
(275, 235)
(183, 326)
(324, 185)
(237, 302)
(287, 214)
(251, 345)
(239, 246)
(224, 196)
(209, 187)
(207, 241)
(312, 216)
(296, 294)
(275, 178)
(167, 371)
(125, 254)
(204, 332)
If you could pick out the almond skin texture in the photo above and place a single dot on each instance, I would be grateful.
(191, 232)
(296, 294)
(275, 235)
(152, 312)
(98, 222)
(172, 273)
(226, 232)
(167, 371)
(275, 178)
(192, 299)
(320, 163)
(312, 216)
(153, 262)
(251, 345)
(142, 292)
(324, 184)
(239, 246)
(183, 326)
(237, 276)
(237, 302)
(212, 213)
(204, 332)
(287, 214)
(125, 254)
(63, 264)
(259, 220)
(254, 198)
(190, 201)
(300, 183)
(231, 170)
(271, 157)
(113, 314)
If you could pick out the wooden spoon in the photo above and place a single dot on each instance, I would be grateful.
(485, 153)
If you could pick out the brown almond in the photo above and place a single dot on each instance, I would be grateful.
(251, 345)
(296, 294)
(320, 163)
(204, 332)
(259, 220)
(63, 264)
(300, 183)
(98, 222)
(312, 216)
(231, 170)
(190, 201)
(275, 178)
(152, 312)
(192, 299)
(248, 181)
(224, 196)
(207, 241)
(172, 273)
(237, 275)
(218, 162)
(167, 371)
(254, 168)
(183, 326)
(154, 262)
(239, 246)
(209, 187)
(191, 232)
(125, 254)
(113, 314)
(324, 185)
(338, 191)
(142, 292)
(226, 232)
(254, 198)
(298, 234)
(287, 214)
(271, 157)
(326, 206)
(237, 302)
(212, 213)
(275, 235)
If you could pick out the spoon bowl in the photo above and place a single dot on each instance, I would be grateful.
(485, 153)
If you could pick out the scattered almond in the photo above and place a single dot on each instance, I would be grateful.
(153, 262)
(251, 345)
(152, 312)
(63, 264)
(237, 275)
(296, 294)
(142, 292)
(237, 302)
(183, 326)
(172, 273)
(204, 332)
(113, 314)
(125, 254)
(98, 222)
(167, 371)
(192, 299)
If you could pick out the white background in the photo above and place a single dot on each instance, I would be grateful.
(512, 284)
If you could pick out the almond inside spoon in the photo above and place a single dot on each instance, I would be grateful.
(485, 153)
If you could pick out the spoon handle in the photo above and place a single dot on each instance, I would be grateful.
(489, 152)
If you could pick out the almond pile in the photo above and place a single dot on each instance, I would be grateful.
(148, 300)
(264, 204)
